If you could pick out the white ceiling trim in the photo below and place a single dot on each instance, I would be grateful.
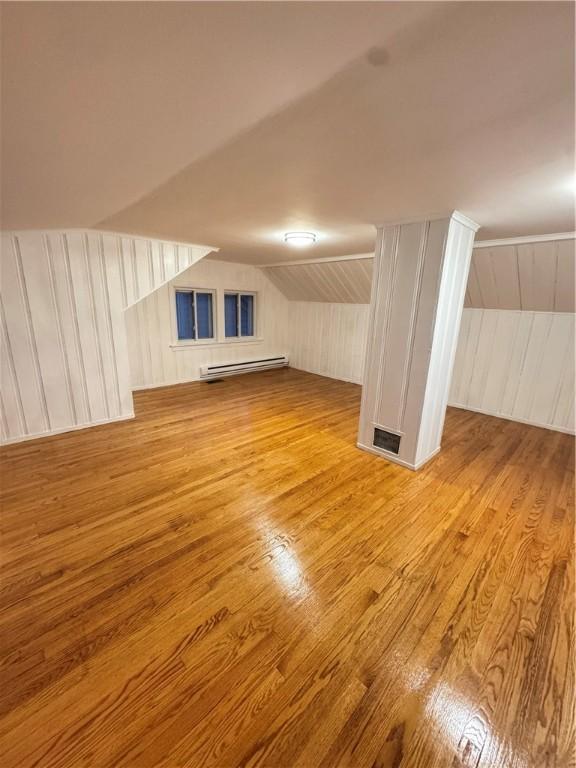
(328, 259)
(525, 240)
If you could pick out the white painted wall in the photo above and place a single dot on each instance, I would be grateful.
(518, 365)
(155, 359)
(329, 339)
(505, 277)
(63, 356)
(513, 364)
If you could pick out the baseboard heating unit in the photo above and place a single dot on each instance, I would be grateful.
(219, 370)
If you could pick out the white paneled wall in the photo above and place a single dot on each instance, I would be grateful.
(512, 364)
(64, 361)
(155, 358)
(519, 365)
(420, 275)
(328, 339)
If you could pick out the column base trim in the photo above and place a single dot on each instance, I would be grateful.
(394, 459)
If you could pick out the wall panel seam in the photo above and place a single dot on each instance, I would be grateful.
(31, 334)
(74, 310)
(12, 369)
(101, 374)
(59, 327)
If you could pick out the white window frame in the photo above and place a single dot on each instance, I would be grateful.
(255, 319)
(176, 342)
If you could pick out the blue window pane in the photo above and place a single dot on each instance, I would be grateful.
(231, 314)
(185, 314)
(247, 315)
(204, 315)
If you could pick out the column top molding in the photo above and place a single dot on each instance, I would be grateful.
(456, 215)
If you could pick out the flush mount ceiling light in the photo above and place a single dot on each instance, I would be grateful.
(300, 239)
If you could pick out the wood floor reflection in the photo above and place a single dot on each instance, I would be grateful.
(228, 581)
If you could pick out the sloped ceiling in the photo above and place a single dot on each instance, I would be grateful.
(346, 282)
(534, 276)
(230, 123)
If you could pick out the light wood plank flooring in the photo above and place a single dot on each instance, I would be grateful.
(228, 581)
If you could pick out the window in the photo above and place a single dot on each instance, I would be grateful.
(194, 315)
(239, 314)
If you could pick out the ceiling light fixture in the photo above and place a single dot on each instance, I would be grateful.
(300, 239)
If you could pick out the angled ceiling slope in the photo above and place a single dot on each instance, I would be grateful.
(537, 276)
(346, 282)
(235, 122)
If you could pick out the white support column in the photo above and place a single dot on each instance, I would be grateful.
(420, 274)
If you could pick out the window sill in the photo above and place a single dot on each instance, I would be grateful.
(215, 343)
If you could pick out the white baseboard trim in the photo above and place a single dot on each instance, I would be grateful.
(395, 459)
(62, 430)
(160, 384)
(553, 427)
(326, 375)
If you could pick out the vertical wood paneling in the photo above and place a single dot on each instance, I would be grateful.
(420, 277)
(444, 337)
(115, 292)
(168, 252)
(19, 335)
(504, 268)
(565, 276)
(519, 365)
(532, 366)
(328, 339)
(556, 352)
(47, 351)
(484, 273)
(399, 334)
(85, 311)
(330, 281)
(13, 417)
(154, 360)
(59, 300)
(505, 328)
(457, 385)
(474, 289)
(563, 408)
(535, 277)
(64, 350)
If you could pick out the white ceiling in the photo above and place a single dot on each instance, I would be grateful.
(230, 123)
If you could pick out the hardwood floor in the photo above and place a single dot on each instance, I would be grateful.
(227, 581)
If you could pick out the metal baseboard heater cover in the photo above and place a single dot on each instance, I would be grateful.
(219, 370)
